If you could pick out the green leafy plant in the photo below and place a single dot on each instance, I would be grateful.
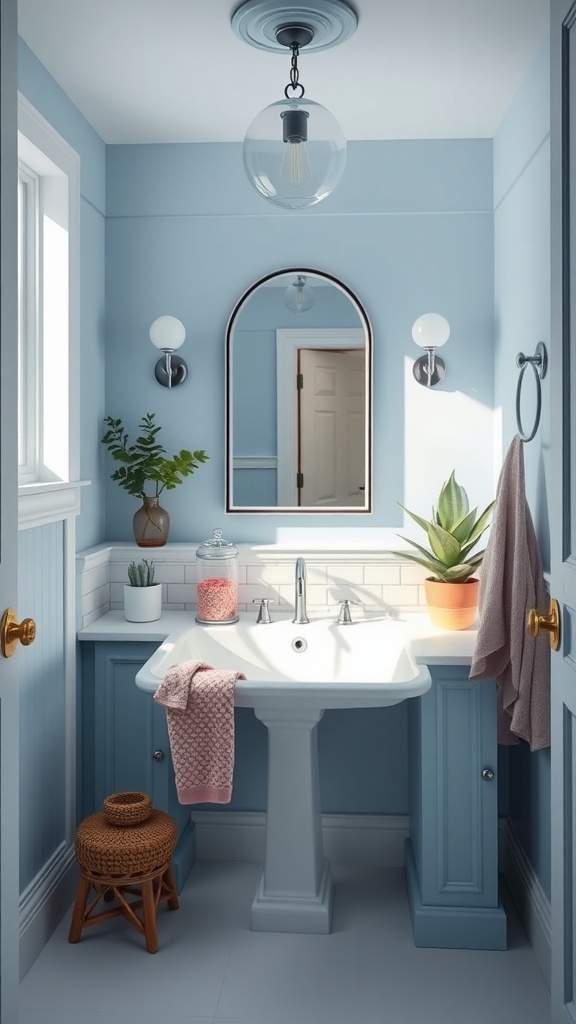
(141, 574)
(145, 461)
(453, 533)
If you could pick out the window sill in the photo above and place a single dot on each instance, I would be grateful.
(41, 503)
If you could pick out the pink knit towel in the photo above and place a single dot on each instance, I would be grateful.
(512, 582)
(199, 702)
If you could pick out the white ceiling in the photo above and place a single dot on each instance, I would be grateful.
(173, 70)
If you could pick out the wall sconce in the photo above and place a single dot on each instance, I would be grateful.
(299, 297)
(167, 333)
(430, 331)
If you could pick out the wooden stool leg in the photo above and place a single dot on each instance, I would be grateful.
(84, 886)
(168, 879)
(149, 913)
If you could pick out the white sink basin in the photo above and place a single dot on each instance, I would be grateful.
(317, 665)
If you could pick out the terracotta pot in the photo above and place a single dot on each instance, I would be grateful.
(452, 605)
(151, 524)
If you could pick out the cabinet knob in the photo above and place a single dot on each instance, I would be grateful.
(158, 755)
(487, 774)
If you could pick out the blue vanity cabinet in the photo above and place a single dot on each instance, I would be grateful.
(125, 739)
(452, 853)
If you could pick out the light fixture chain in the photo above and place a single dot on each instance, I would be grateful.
(294, 82)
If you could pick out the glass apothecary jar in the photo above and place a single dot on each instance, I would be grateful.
(217, 581)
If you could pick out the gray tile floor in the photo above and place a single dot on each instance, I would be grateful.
(211, 969)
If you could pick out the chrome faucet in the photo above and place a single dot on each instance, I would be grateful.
(300, 615)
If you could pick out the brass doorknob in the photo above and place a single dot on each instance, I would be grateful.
(551, 623)
(13, 632)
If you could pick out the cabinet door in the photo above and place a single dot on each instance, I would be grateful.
(124, 719)
(452, 853)
(454, 822)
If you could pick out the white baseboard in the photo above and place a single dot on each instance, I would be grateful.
(529, 898)
(362, 839)
(44, 903)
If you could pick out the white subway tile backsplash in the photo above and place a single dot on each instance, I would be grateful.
(413, 574)
(179, 594)
(375, 582)
(338, 574)
(401, 597)
(385, 575)
(94, 579)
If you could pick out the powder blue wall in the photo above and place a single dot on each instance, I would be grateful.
(522, 306)
(41, 90)
(409, 230)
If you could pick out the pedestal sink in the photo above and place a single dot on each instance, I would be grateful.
(293, 674)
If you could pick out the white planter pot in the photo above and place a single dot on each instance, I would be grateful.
(142, 604)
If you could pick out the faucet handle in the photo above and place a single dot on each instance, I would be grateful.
(345, 616)
(264, 610)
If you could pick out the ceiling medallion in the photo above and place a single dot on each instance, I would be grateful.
(329, 22)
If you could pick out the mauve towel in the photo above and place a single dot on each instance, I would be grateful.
(199, 702)
(511, 582)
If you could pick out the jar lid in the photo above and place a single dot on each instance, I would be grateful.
(217, 547)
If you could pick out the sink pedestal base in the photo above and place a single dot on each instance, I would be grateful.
(295, 891)
(293, 913)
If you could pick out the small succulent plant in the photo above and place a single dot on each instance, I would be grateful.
(453, 533)
(141, 574)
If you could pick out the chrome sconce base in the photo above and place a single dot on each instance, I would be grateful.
(429, 371)
(171, 371)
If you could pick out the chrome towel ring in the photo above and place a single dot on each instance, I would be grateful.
(539, 363)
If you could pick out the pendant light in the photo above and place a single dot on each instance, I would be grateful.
(294, 150)
(299, 297)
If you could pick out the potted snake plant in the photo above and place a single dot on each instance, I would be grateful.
(453, 532)
(142, 595)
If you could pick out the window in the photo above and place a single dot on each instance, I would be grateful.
(48, 336)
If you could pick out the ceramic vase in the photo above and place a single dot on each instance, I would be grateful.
(142, 604)
(452, 605)
(151, 524)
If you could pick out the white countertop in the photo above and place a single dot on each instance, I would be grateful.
(429, 644)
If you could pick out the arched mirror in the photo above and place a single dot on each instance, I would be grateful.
(298, 397)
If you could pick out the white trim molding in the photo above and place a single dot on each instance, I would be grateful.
(361, 839)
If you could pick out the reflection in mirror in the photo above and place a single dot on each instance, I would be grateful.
(298, 397)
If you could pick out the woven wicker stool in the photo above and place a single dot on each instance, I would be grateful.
(123, 860)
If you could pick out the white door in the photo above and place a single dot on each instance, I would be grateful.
(563, 507)
(9, 888)
(332, 403)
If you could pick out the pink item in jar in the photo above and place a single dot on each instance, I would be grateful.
(217, 600)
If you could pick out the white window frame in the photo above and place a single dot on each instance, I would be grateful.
(45, 496)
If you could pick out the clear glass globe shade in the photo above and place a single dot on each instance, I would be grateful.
(299, 297)
(431, 330)
(167, 332)
(306, 168)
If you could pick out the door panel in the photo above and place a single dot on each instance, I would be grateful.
(562, 518)
(332, 428)
(9, 889)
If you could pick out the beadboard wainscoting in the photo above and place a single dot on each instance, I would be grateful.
(47, 727)
(378, 581)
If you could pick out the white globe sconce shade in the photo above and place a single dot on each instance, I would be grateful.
(430, 331)
(168, 334)
(294, 153)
